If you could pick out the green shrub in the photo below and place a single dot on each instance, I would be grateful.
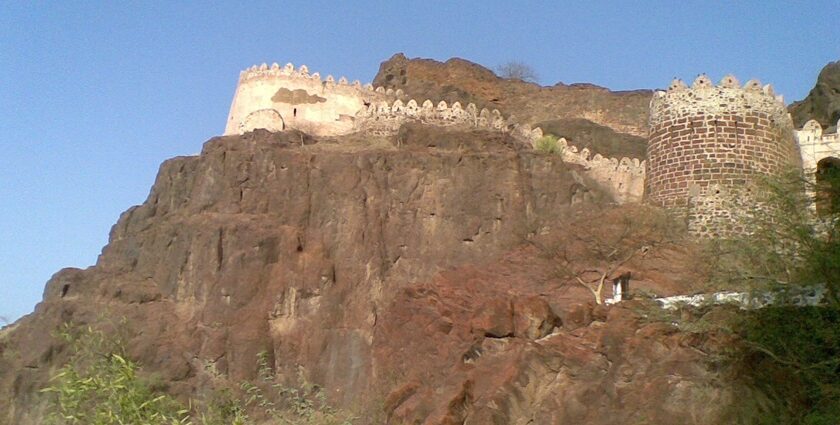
(100, 386)
(790, 353)
(548, 144)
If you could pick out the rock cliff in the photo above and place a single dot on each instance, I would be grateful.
(409, 277)
(823, 102)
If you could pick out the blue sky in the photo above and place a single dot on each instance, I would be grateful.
(95, 95)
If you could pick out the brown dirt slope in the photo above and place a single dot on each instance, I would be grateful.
(416, 283)
(464, 81)
(823, 102)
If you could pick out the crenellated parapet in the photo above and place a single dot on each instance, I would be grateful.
(302, 74)
(623, 178)
(727, 97)
(301, 100)
(383, 118)
(708, 142)
(816, 145)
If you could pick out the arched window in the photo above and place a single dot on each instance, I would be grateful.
(828, 186)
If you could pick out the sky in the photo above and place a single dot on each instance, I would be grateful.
(95, 95)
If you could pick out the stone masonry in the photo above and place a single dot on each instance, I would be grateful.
(707, 144)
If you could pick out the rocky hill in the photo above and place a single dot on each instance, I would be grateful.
(823, 102)
(573, 111)
(417, 279)
(438, 276)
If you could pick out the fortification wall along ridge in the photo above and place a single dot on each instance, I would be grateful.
(816, 145)
(298, 100)
(706, 145)
(278, 98)
(622, 178)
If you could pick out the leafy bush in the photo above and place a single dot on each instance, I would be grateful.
(792, 356)
(548, 144)
(100, 386)
(789, 352)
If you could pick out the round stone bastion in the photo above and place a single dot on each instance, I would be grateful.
(707, 145)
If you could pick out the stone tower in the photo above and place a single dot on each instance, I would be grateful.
(278, 98)
(706, 145)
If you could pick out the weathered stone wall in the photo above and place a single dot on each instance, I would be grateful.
(816, 145)
(706, 145)
(300, 100)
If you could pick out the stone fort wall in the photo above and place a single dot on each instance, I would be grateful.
(816, 145)
(278, 98)
(707, 143)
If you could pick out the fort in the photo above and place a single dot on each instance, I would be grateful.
(706, 144)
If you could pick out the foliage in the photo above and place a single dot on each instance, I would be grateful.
(517, 70)
(790, 353)
(100, 386)
(789, 246)
(305, 404)
(223, 408)
(548, 144)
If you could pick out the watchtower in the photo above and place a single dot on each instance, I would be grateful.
(708, 142)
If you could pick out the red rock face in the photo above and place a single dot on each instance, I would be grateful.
(405, 281)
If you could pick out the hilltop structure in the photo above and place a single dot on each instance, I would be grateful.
(278, 98)
(706, 142)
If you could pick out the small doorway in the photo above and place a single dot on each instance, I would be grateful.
(828, 186)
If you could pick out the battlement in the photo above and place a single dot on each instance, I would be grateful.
(382, 118)
(302, 74)
(623, 178)
(281, 97)
(815, 145)
(727, 97)
(812, 133)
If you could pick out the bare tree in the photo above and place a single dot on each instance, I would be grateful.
(599, 244)
(517, 70)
